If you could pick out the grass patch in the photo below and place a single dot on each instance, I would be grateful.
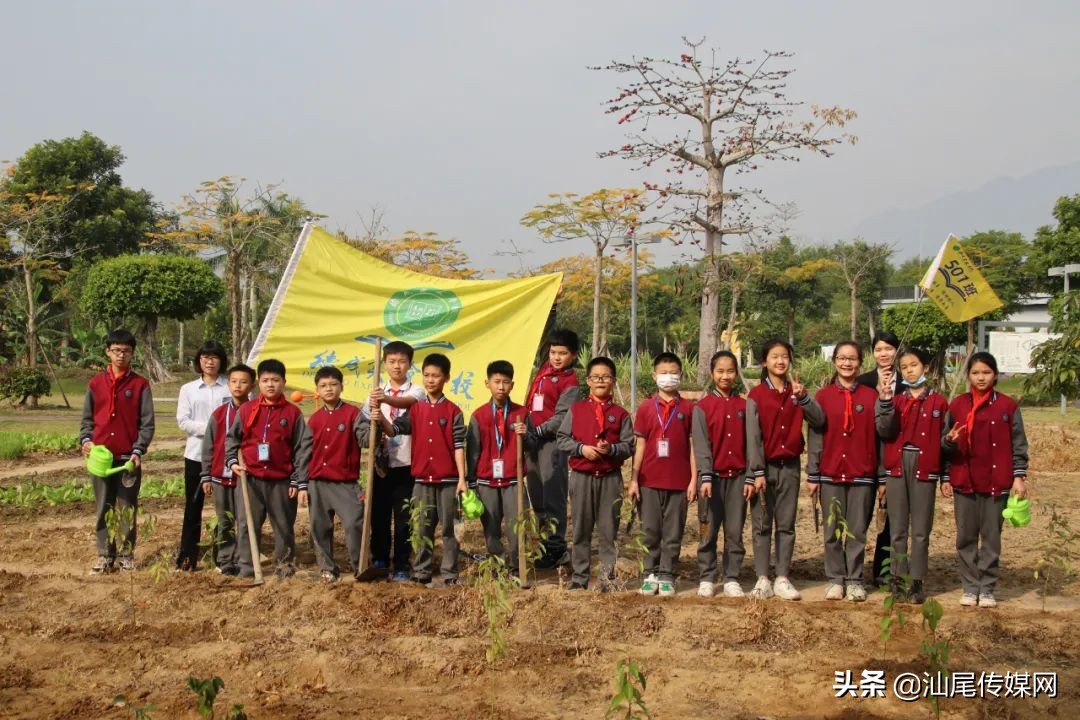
(32, 492)
(14, 445)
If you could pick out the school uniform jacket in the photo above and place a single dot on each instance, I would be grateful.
(118, 413)
(846, 456)
(580, 428)
(656, 420)
(438, 430)
(213, 445)
(727, 438)
(482, 445)
(560, 390)
(781, 415)
(337, 436)
(996, 451)
(922, 426)
(283, 427)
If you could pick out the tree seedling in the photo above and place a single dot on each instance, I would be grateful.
(137, 713)
(628, 701)
(417, 512)
(117, 522)
(536, 534)
(838, 520)
(935, 649)
(494, 583)
(901, 586)
(1055, 566)
(206, 691)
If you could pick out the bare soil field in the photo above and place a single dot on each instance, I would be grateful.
(299, 649)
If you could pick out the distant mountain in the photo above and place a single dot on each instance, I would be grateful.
(1014, 204)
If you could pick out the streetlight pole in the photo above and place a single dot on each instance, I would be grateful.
(632, 241)
(1064, 271)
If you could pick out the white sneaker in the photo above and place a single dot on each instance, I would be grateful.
(706, 589)
(785, 590)
(732, 590)
(835, 591)
(650, 585)
(987, 601)
(856, 593)
(763, 590)
(969, 600)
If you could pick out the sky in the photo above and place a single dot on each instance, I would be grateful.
(458, 117)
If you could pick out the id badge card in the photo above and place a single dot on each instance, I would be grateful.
(264, 452)
(662, 448)
(538, 403)
(227, 472)
(497, 469)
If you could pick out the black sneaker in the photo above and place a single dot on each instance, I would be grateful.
(126, 563)
(577, 586)
(102, 565)
(284, 572)
(422, 580)
(231, 570)
(917, 595)
(448, 582)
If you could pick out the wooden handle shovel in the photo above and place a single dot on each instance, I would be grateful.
(253, 537)
(367, 573)
(523, 562)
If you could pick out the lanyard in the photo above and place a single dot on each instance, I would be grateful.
(266, 427)
(669, 415)
(500, 432)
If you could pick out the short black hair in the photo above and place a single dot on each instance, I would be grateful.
(210, 348)
(564, 338)
(272, 366)
(924, 357)
(886, 337)
(438, 360)
(666, 357)
(398, 347)
(723, 354)
(241, 367)
(328, 371)
(983, 357)
(500, 367)
(601, 360)
(120, 336)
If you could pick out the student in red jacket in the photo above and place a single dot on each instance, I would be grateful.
(554, 389)
(270, 442)
(338, 431)
(437, 427)
(218, 481)
(782, 404)
(913, 466)
(118, 413)
(664, 479)
(729, 459)
(987, 453)
(598, 436)
(494, 430)
(843, 465)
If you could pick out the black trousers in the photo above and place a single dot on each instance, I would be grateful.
(191, 532)
(391, 504)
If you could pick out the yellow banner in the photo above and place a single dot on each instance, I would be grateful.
(334, 301)
(956, 286)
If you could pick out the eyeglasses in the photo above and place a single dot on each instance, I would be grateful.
(600, 378)
(118, 351)
(842, 358)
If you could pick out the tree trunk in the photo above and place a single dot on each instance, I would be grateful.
(153, 365)
(597, 281)
(870, 323)
(603, 349)
(791, 330)
(710, 302)
(970, 336)
(733, 311)
(180, 345)
(232, 278)
(253, 312)
(31, 327)
(854, 311)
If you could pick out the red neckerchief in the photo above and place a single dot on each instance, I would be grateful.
(598, 406)
(666, 408)
(114, 382)
(263, 402)
(849, 406)
(546, 370)
(501, 414)
(977, 401)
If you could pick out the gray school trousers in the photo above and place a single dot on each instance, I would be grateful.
(844, 560)
(110, 493)
(440, 505)
(225, 508)
(778, 505)
(548, 491)
(269, 499)
(978, 517)
(595, 503)
(725, 507)
(663, 520)
(500, 509)
(910, 501)
(327, 498)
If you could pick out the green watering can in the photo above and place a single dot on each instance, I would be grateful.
(1017, 511)
(100, 462)
(471, 505)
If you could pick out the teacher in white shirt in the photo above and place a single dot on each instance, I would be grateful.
(197, 400)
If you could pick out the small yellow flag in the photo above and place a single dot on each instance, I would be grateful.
(956, 286)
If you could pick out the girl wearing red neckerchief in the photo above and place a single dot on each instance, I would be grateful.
(987, 455)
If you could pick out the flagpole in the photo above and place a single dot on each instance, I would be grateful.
(282, 289)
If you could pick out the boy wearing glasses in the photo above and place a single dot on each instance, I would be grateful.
(598, 435)
(118, 412)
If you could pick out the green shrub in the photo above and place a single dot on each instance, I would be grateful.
(19, 382)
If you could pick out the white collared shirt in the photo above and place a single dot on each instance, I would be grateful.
(193, 408)
(399, 447)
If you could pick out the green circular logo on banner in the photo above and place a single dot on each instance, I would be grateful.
(417, 313)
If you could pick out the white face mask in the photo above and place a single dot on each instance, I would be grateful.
(668, 382)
